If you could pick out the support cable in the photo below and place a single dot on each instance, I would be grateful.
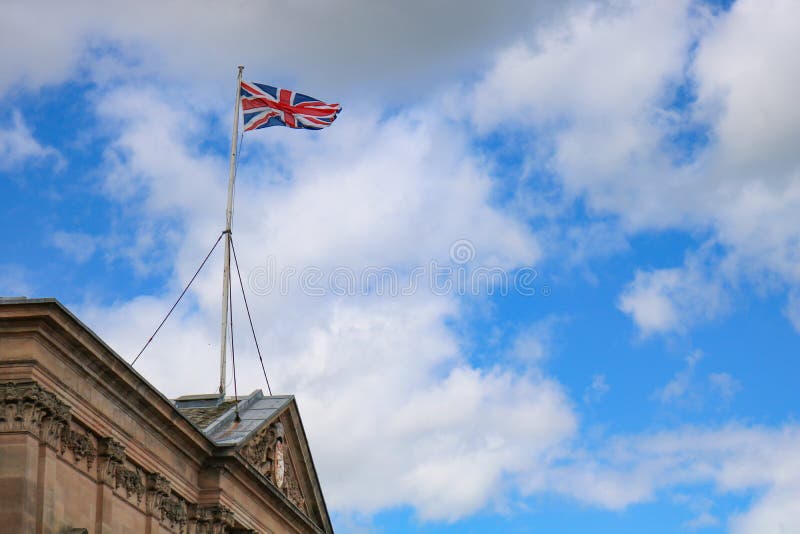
(249, 317)
(179, 298)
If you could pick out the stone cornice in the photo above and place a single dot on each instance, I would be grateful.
(249, 477)
(56, 328)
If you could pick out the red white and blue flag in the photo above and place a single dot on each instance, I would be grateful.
(264, 105)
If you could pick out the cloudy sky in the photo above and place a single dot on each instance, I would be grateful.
(542, 273)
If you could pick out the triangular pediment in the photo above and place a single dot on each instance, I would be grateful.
(268, 436)
(278, 449)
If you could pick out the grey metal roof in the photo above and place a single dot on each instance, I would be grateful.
(254, 411)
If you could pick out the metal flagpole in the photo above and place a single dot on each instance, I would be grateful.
(226, 274)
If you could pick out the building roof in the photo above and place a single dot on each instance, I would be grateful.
(216, 416)
(202, 416)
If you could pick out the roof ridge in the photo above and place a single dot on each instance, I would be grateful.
(231, 412)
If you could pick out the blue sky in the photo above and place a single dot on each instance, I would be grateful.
(638, 160)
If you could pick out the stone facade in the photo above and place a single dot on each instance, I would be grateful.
(87, 445)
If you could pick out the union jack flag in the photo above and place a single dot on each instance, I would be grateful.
(264, 105)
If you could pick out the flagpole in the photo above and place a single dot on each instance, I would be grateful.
(226, 273)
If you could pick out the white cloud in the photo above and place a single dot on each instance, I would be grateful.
(687, 389)
(599, 100)
(596, 390)
(45, 45)
(535, 342)
(17, 146)
(604, 105)
(724, 385)
(792, 309)
(670, 300)
(389, 48)
(734, 459)
(745, 83)
(77, 245)
(704, 520)
(774, 512)
(678, 387)
(587, 69)
(394, 411)
(754, 167)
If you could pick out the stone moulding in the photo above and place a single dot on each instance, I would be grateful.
(216, 519)
(80, 444)
(131, 480)
(158, 483)
(26, 407)
(158, 489)
(174, 512)
(111, 455)
(166, 507)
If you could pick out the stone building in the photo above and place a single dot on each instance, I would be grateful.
(89, 446)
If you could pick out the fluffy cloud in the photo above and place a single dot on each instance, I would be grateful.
(734, 459)
(670, 300)
(534, 342)
(386, 46)
(596, 390)
(792, 310)
(45, 45)
(724, 385)
(687, 389)
(608, 110)
(76, 245)
(17, 145)
(745, 88)
(704, 520)
(599, 100)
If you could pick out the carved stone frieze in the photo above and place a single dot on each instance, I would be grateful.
(259, 451)
(162, 504)
(158, 489)
(292, 486)
(25, 406)
(267, 452)
(216, 519)
(52, 429)
(81, 445)
(158, 483)
(111, 455)
(111, 448)
(174, 512)
(132, 480)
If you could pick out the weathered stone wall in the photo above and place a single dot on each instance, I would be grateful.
(56, 474)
